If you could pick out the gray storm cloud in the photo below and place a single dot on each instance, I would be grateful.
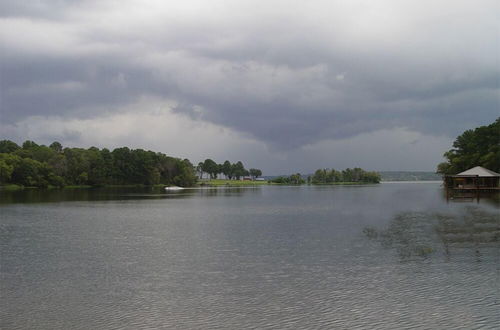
(287, 73)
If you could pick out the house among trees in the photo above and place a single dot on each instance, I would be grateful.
(476, 178)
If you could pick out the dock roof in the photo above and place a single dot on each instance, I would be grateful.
(479, 171)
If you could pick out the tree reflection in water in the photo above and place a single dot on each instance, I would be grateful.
(416, 235)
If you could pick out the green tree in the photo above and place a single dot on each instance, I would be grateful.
(56, 146)
(296, 179)
(199, 170)
(255, 172)
(227, 169)
(238, 170)
(186, 175)
(28, 144)
(32, 173)
(477, 147)
(281, 180)
(122, 166)
(7, 146)
(76, 164)
(210, 167)
(5, 171)
(319, 176)
(96, 175)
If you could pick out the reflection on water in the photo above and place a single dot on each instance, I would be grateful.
(114, 193)
(420, 234)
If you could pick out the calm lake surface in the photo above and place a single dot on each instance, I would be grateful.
(387, 256)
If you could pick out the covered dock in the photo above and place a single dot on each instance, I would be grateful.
(475, 178)
(472, 182)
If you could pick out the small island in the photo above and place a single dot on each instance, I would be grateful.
(331, 177)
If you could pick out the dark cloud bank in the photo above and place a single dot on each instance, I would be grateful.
(289, 74)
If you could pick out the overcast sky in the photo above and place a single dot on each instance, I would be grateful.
(284, 86)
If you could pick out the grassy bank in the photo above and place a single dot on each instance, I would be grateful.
(11, 187)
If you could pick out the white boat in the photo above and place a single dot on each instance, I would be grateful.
(173, 188)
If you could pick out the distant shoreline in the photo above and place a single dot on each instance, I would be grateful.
(215, 183)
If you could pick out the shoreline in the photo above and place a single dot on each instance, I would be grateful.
(214, 183)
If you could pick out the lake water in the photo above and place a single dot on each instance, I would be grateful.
(387, 256)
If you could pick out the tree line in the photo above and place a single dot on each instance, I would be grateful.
(42, 166)
(229, 170)
(355, 175)
(477, 147)
(328, 176)
(292, 179)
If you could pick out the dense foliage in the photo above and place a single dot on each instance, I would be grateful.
(330, 176)
(292, 179)
(478, 147)
(40, 166)
(356, 175)
(229, 170)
